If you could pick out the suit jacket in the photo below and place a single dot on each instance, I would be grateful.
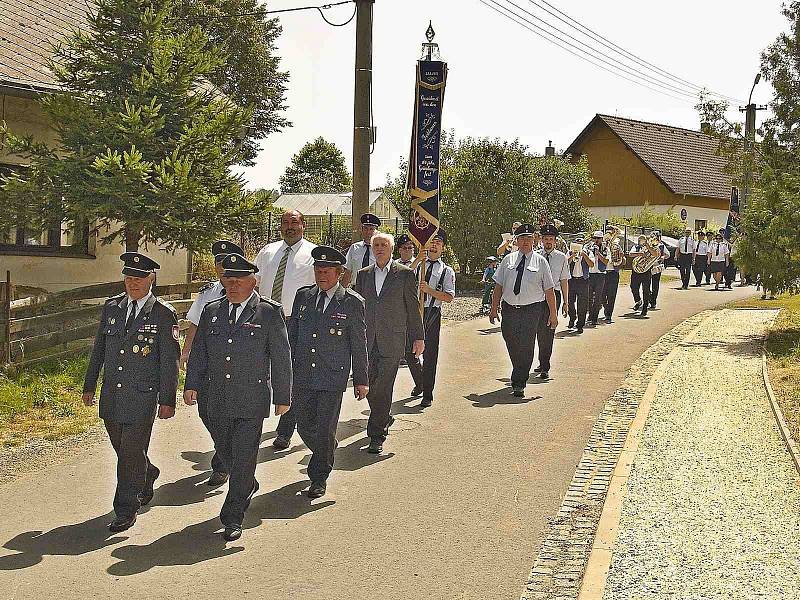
(325, 347)
(394, 313)
(140, 367)
(241, 368)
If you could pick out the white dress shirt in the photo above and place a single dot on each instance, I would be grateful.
(558, 263)
(702, 247)
(596, 267)
(215, 292)
(328, 296)
(355, 256)
(686, 244)
(536, 279)
(380, 276)
(299, 270)
(241, 306)
(139, 304)
(448, 281)
(718, 251)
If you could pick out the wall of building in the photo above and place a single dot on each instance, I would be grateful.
(693, 213)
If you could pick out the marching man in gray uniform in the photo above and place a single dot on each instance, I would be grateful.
(525, 286)
(208, 293)
(241, 360)
(327, 332)
(137, 347)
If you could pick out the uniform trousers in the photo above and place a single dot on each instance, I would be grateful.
(610, 293)
(641, 280)
(597, 284)
(287, 424)
(382, 375)
(655, 284)
(730, 273)
(216, 461)
(708, 271)
(134, 470)
(519, 326)
(578, 301)
(317, 417)
(424, 374)
(699, 268)
(545, 336)
(237, 442)
(685, 267)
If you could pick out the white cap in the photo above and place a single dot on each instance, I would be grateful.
(597, 233)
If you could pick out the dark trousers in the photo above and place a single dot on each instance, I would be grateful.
(237, 442)
(641, 280)
(519, 327)
(655, 284)
(216, 461)
(730, 273)
(287, 424)
(424, 374)
(597, 284)
(685, 267)
(382, 374)
(130, 442)
(708, 271)
(610, 293)
(545, 335)
(488, 288)
(317, 417)
(578, 301)
(699, 268)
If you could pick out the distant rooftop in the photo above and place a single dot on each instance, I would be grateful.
(683, 159)
(322, 204)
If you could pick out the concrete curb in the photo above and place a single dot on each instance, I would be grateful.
(786, 434)
(599, 562)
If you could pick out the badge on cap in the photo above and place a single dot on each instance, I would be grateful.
(233, 259)
(175, 332)
(135, 259)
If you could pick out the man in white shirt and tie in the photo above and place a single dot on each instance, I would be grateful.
(283, 268)
(360, 255)
(700, 261)
(559, 269)
(685, 255)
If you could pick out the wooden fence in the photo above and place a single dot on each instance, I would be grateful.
(40, 328)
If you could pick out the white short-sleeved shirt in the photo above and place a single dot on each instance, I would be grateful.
(448, 281)
(596, 267)
(355, 258)
(702, 247)
(718, 251)
(559, 267)
(299, 270)
(687, 244)
(213, 291)
(536, 279)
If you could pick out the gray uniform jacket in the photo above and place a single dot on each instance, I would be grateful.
(140, 367)
(394, 313)
(325, 347)
(241, 368)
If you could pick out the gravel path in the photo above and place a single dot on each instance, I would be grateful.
(712, 509)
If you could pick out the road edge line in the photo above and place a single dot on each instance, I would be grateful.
(783, 426)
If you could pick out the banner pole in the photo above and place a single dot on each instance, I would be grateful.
(423, 265)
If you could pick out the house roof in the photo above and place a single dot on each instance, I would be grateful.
(322, 204)
(683, 159)
(28, 28)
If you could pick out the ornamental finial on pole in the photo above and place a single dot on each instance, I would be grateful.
(430, 51)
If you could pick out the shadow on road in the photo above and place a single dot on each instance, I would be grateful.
(67, 540)
(489, 331)
(497, 398)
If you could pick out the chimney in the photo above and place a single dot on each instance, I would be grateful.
(550, 151)
(705, 127)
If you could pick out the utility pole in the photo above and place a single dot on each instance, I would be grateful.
(749, 140)
(362, 121)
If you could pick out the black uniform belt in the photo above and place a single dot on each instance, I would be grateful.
(523, 305)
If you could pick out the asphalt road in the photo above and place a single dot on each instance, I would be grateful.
(455, 508)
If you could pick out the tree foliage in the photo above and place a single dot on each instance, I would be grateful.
(142, 138)
(487, 184)
(769, 230)
(318, 168)
(668, 223)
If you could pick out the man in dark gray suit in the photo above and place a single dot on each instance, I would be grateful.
(328, 338)
(241, 359)
(137, 346)
(392, 312)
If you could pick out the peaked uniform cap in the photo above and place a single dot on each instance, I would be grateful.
(236, 265)
(549, 229)
(403, 238)
(370, 219)
(325, 256)
(525, 229)
(222, 247)
(440, 235)
(137, 264)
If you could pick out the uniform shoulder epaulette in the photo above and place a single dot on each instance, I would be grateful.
(115, 298)
(269, 301)
(165, 303)
(206, 286)
(214, 301)
(306, 287)
(354, 293)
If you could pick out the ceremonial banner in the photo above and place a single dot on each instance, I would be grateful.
(733, 213)
(423, 164)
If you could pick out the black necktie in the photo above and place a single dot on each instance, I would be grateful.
(686, 246)
(429, 272)
(365, 260)
(520, 271)
(321, 301)
(131, 317)
(232, 318)
(547, 256)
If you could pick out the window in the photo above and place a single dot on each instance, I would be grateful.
(700, 224)
(59, 238)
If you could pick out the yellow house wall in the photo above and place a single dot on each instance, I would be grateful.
(56, 273)
(624, 180)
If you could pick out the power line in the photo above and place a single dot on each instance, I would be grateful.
(577, 25)
(555, 40)
(321, 8)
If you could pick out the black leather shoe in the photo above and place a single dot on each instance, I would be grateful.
(537, 370)
(375, 447)
(122, 523)
(426, 402)
(317, 489)
(608, 320)
(146, 495)
(217, 478)
(580, 329)
(415, 393)
(518, 393)
(232, 533)
(571, 325)
(544, 375)
(281, 443)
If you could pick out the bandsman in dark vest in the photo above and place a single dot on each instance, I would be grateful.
(327, 333)
(241, 363)
(137, 347)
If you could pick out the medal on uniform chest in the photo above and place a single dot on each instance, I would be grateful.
(145, 350)
(214, 319)
(136, 349)
(333, 331)
(140, 337)
(112, 321)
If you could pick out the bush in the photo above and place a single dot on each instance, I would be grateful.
(667, 223)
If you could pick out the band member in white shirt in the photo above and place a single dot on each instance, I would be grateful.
(559, 269)
(684, 256)
(508, 245)
(700, 261)
(359, 255)
(658, 268)
(597, 276)
(718, 256)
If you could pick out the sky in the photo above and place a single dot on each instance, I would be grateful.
(504, 81)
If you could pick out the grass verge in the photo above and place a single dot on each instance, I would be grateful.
(783, 355)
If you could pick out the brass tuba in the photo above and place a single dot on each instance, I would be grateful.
(611, 239)
(645, 262)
